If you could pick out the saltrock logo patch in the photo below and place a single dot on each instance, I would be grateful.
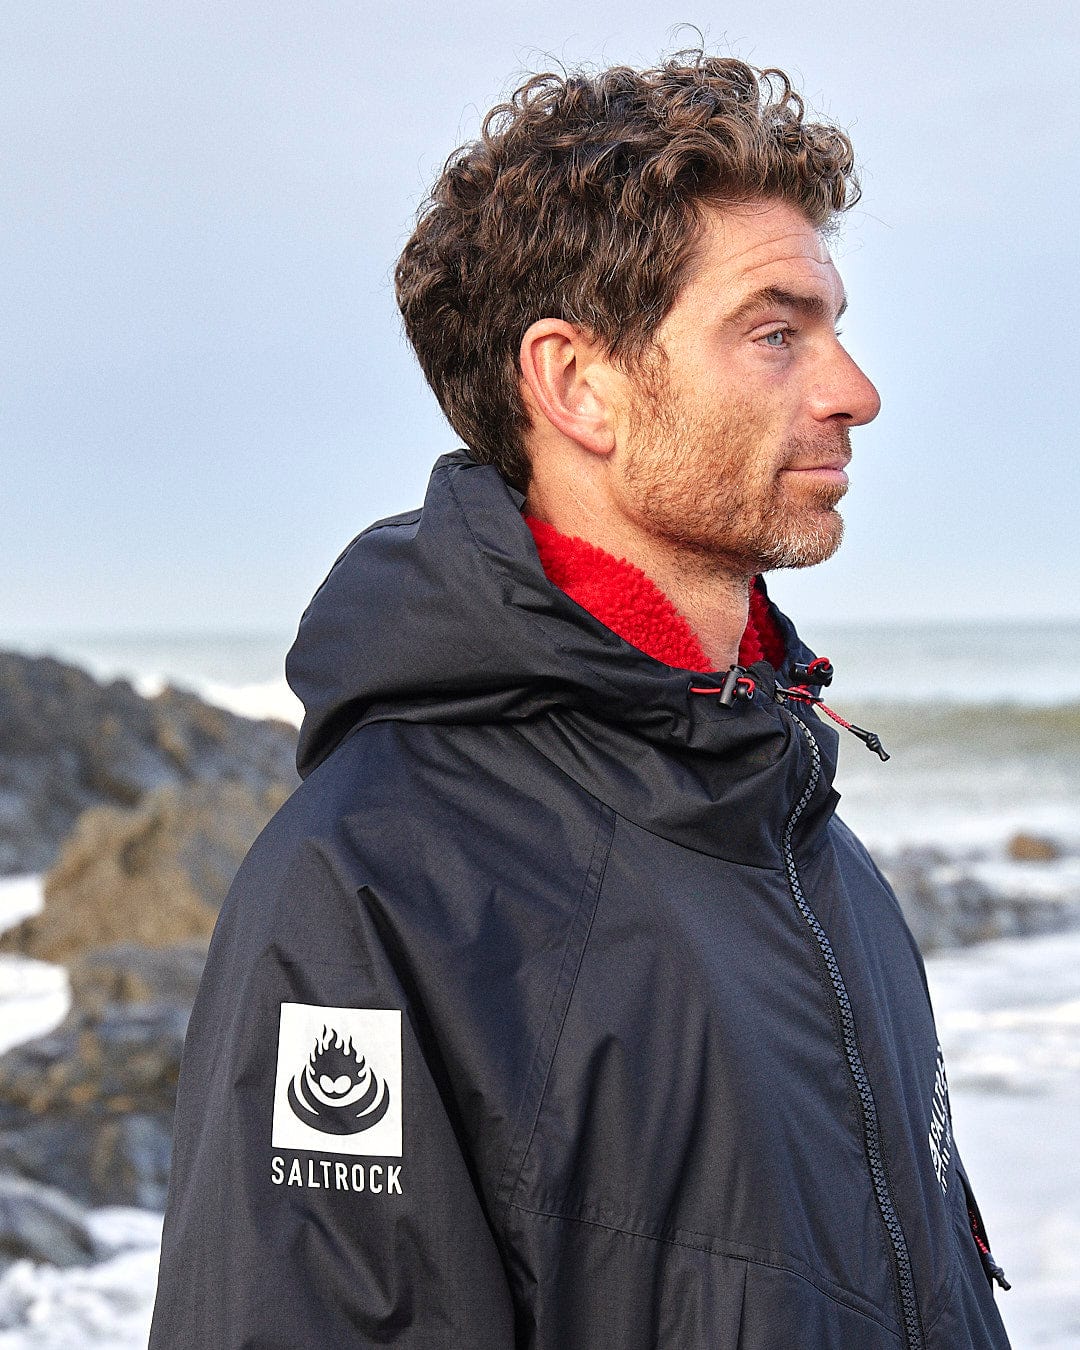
(338, 1082)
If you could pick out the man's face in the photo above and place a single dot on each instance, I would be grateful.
(733, 441)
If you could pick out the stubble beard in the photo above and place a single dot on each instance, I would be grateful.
(713, 489)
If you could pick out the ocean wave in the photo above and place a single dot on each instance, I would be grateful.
(991, 726)
(259, 700)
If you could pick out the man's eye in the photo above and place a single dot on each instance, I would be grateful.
(778, 339)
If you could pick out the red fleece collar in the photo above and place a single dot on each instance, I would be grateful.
(623, 598)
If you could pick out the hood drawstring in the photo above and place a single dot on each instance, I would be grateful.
(870, 739)
(738, 686)
(820, 673)
(625, 600)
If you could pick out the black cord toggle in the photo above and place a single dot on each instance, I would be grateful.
(870, 739)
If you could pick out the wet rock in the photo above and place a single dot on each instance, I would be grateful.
(1024, 847)
(909, 875)
(89, 1108)
(155, 874)
(69, 743)
(127, 974)
(38, 1223)
(947, 905)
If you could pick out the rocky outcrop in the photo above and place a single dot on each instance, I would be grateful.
(89, 1108)
(154, 874)
(177, 793)
(1023, 847)
(69, 743)
(948, 904)
(144, 807)
(38, 1223)
(127, 975)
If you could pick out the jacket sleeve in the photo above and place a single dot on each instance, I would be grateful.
(320, 1194)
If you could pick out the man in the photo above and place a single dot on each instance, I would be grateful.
(557, 1009)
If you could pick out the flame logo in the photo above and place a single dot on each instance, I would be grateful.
(336, 1091)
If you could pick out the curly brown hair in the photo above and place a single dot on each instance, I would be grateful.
(582, 200)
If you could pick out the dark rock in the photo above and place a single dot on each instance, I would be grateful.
(69, 743)
(128, 973)
(89, 1107)
(946, 905)
(155, 874)
(38, 1223)
(1032, 848)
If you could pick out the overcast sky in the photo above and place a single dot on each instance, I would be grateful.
(204, 391)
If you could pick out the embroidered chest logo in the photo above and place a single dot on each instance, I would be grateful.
(338, 1081)
(941, 1125)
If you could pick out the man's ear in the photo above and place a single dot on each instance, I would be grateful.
(568, 382)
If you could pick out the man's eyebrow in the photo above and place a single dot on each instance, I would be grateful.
(812, 305)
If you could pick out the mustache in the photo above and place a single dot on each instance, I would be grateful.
(832, 448)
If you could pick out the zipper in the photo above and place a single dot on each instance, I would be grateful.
(906, 1285)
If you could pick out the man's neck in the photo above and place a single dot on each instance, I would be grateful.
(715, 602)
(712, 598)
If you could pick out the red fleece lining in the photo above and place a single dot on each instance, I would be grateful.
(623, 599)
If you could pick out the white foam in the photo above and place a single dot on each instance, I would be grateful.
(1057, 881)
(958, 818)
(34, 995)
(109, 1303)
(272, 698)
(1009, 1019)
(259, 700)
(106, 1304)
(20, 898)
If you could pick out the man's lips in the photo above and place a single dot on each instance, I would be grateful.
(826, 470)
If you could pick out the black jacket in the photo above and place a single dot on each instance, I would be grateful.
(557, 1008)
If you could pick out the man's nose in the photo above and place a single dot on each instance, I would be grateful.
(845, 393)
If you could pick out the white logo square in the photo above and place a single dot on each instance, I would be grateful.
(338, 1082)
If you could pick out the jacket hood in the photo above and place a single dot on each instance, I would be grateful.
(445, 615)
